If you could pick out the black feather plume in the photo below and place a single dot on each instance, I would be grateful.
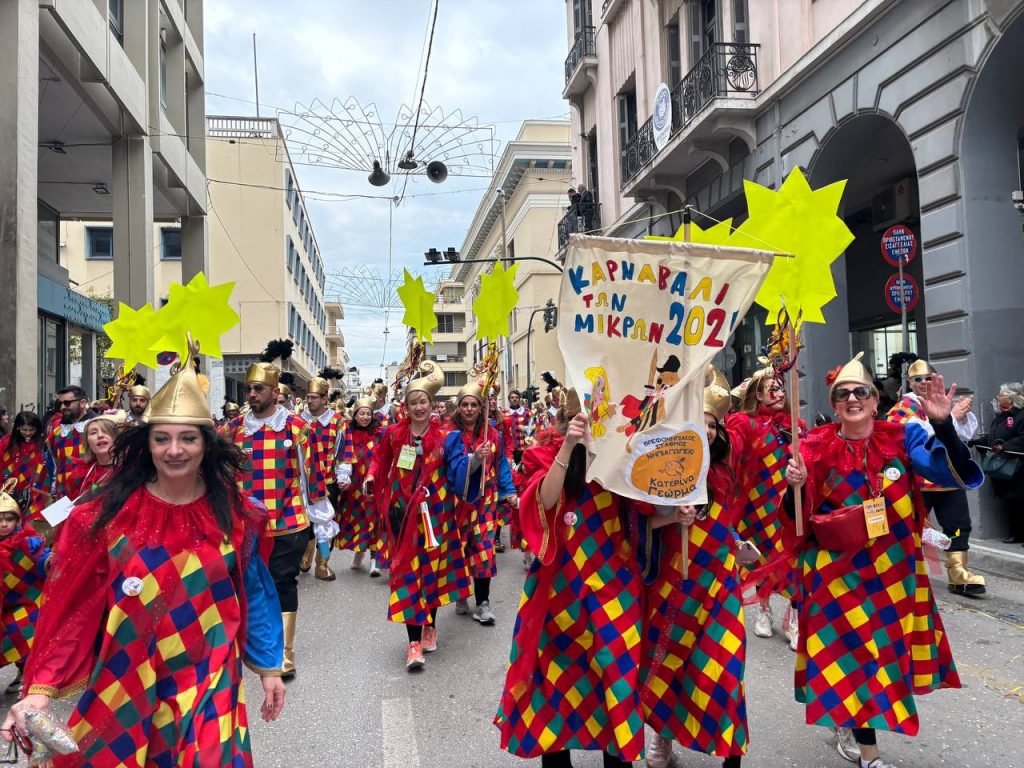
(278, 348)
(287, 378)
(331, 373)
(550, 380)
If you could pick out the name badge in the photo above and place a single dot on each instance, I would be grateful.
(875, 518)
(58, 512)
(407, 457)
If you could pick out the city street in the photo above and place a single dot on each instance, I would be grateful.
(354, 704)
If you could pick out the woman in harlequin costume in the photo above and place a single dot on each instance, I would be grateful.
(694, 639)
(871, 637)
(575, 684)
(358, 513)
(473, 449)
(506, 427)
(23, 457)
(155, 598)
(407, 482)
(761, 434)
(96, 466)
(23, 558)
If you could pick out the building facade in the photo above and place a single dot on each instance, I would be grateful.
(529, 214)
(913, 102)
(448, 345)
(104, 109)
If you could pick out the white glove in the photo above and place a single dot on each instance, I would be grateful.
(343, 473)
(321, 514)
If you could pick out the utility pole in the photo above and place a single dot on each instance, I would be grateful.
(504, 235)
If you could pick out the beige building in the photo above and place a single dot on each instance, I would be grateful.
(103, 118)
(532, 180)
(260, 237)
(448, 348)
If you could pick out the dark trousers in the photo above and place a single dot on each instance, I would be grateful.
(562, 760)
(284, 567)
(953, 514)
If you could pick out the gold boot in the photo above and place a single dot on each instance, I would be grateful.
(307, 556)
(961, 580)
(288, 668)
(323, 570)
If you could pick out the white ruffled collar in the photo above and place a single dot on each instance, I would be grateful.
(324, 418)
(78, 426)
(276, 421)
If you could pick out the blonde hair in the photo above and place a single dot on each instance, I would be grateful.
(108, 426)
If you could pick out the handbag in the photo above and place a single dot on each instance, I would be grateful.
(841, 530)
(1000, 466)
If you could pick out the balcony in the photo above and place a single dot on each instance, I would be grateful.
(581, 63)
(724, 78)
(573, 223)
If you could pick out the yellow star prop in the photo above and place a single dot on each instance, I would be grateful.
(199, 308)
(497, 299)
(803, 222)
(718, 234)
(131, 335)
(419, 307)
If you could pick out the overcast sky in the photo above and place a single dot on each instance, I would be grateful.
(498, 60)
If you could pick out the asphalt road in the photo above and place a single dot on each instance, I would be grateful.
(353, 704)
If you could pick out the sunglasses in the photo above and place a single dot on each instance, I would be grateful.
(843, 394)
(20, 741)
(921, 379)
(68, 403)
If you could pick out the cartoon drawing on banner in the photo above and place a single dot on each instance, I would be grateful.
(647, 411)
(599, 402)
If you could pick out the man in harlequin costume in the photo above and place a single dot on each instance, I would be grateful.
(65, 435)
(949, 503)
(138, 398)
(284, 473)
(328, 429)
(23, 558)
(507, 429)
(521, 419)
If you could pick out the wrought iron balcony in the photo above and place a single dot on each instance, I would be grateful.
(584, 45)
(725, 69)
(574, 222)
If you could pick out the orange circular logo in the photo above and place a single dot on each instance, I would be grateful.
(670, 467)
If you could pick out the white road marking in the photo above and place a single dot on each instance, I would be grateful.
(399, 727)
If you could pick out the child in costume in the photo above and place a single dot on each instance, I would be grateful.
(357, 514)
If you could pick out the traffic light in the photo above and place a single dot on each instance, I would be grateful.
(550, 315)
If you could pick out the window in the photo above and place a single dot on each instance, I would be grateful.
(627, 121)
(47, 229)
(581, 15)
(170, 243)
(115, 18)
(288, 252)
(163, 70)
(454, 378)
(740, 32)
(99, 243)
(673, 53)
(289, 184)
(446, 323)
(592, 161)
(703, 27)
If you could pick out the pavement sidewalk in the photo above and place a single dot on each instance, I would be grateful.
(991, 556)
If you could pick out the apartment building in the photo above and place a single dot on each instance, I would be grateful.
(104, 110)
(449, 343)
(525, 208)
(915, 103)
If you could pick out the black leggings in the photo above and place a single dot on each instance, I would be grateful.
(415, 631)
(865, 736)
(481, 590)
(561, 760)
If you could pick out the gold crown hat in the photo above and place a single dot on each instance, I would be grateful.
(714, 376)
(118, 417)
(229, 406)
(472, 388)
(717, 401)
(362, 402)
(139, 391)
(853, 372)
(181, 399)
(284, 389)
(7, 502)
(430, 382)
(318, 386)
(263, 373)
(920, 367)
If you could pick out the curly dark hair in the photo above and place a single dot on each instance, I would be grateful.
(220, 469)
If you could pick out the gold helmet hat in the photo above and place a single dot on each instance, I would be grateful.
(717, 401)
(7, 501)
(853, 372)
(362, 402)
(318, 386)
(263, 373)
(181, 399)
(139, 391)
(431, 380)
(920, 367)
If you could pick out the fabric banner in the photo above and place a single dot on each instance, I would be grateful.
(638, 323)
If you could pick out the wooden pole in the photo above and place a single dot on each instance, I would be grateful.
(794, 413)
(687, 215)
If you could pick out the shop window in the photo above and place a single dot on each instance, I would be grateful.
(99, 243)
(47, 230)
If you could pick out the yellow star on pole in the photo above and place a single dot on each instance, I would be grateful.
(131, 335)
(494, 304)
(717, 234)
(197, 308)
(804, 222)
(419, 307)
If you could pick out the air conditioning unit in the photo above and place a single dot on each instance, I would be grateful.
(891, 206)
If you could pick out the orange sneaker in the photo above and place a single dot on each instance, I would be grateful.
(414, 657)
(429, 639)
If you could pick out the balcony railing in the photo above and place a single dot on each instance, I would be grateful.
(584, 45)
(725, 69)
(577, 222)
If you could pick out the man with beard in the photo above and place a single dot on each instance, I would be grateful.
(328, 430)
(65, 435)
(138, 399)
(519, 414)
(283, 473)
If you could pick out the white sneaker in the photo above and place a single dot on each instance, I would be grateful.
(763, 623)
(792, 628)
(357, 561)
(846, 745)
(461, 607)
(880, 763)
(374, 569)
(659, 754)
(483, 613)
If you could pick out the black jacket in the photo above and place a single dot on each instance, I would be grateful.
(1007, 430)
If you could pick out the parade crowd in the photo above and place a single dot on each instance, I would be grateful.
(179, 561)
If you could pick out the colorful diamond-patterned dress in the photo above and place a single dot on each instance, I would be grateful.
(23, 557)
(871, 637)
(66, 444)
(424, 575)
(694, 639)
(26, 462)
(574, 673)
(760, 451)
(476, 511)
(357, 515)
(152, 618)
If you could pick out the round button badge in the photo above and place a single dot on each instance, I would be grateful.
(132, 586)
(892, 473)
(287, 443)
(569, 518)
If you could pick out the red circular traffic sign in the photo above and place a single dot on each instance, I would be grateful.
(896, 294)
(899, 244)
